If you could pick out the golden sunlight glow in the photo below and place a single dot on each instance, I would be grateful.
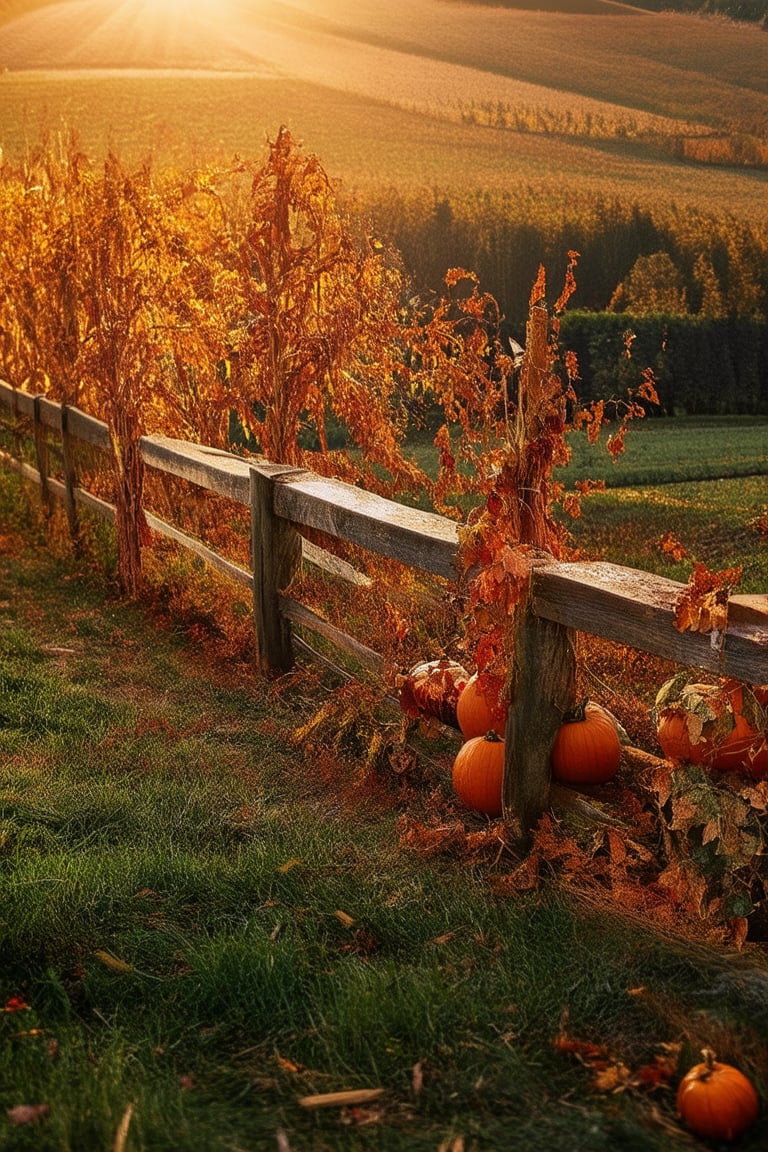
(167, 33)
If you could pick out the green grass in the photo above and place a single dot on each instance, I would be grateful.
(153, 812)
(673, 450)
(712, 520)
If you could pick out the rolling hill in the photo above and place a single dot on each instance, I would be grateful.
(415, 92)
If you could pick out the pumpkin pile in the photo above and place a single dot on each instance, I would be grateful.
(719, 726)
(587, 749)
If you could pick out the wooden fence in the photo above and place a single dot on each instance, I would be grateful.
(619, 604)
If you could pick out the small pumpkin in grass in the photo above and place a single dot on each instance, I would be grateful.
(480, 708)
(716, 1100)
(587, 749)
(478, 773)
(432, 689)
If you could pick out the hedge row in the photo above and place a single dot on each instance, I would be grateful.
(702, 365)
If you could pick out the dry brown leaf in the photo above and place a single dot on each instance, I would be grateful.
(122, 1130)
(113, 962)
(15, 1004)
(703, 606)
(417, 1077)
(27, 1113)
(341, 1099)
(344, 918)
(615, 1078)
(360, 1116)
(288, 1065)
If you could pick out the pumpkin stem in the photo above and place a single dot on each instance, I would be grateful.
(492, 737)
(709, 1060)
(577, 714)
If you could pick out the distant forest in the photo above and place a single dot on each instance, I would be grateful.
(691, 288)
(755, 11)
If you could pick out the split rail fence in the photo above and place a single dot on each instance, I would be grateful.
(625, 605)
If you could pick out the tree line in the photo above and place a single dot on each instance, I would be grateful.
(692, 286)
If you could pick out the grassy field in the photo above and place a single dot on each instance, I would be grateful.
(205, 930)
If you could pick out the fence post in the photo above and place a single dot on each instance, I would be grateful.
(544, 690)
(70, 477)
(275, 560)
(42, 457)
(16, 431)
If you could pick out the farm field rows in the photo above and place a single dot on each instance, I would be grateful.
(401, 94)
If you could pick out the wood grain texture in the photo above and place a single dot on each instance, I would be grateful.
(543, 691)
(42, 454)
(70, 477)
(48, 413)
(334, 565)
(419, 539)
(275, 560)
(624, 605)
(637, 608)
(87, 428)
(209, 468)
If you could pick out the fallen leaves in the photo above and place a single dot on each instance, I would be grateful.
(609, 1073)
(112, 962)
(15, 1004)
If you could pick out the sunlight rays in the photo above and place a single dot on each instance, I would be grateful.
(166, 33)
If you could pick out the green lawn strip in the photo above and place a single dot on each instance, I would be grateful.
(171, 878)
(663, 450)
(674, 449)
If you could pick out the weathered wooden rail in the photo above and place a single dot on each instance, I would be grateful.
(619, 604)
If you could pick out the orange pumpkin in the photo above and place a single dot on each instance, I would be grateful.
(432, 689)
(478, 773)
(715, 1100)
(479, 711)
(742, 748)
(755, 761)
(732, 751)
(587, 749)
(675, 740)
